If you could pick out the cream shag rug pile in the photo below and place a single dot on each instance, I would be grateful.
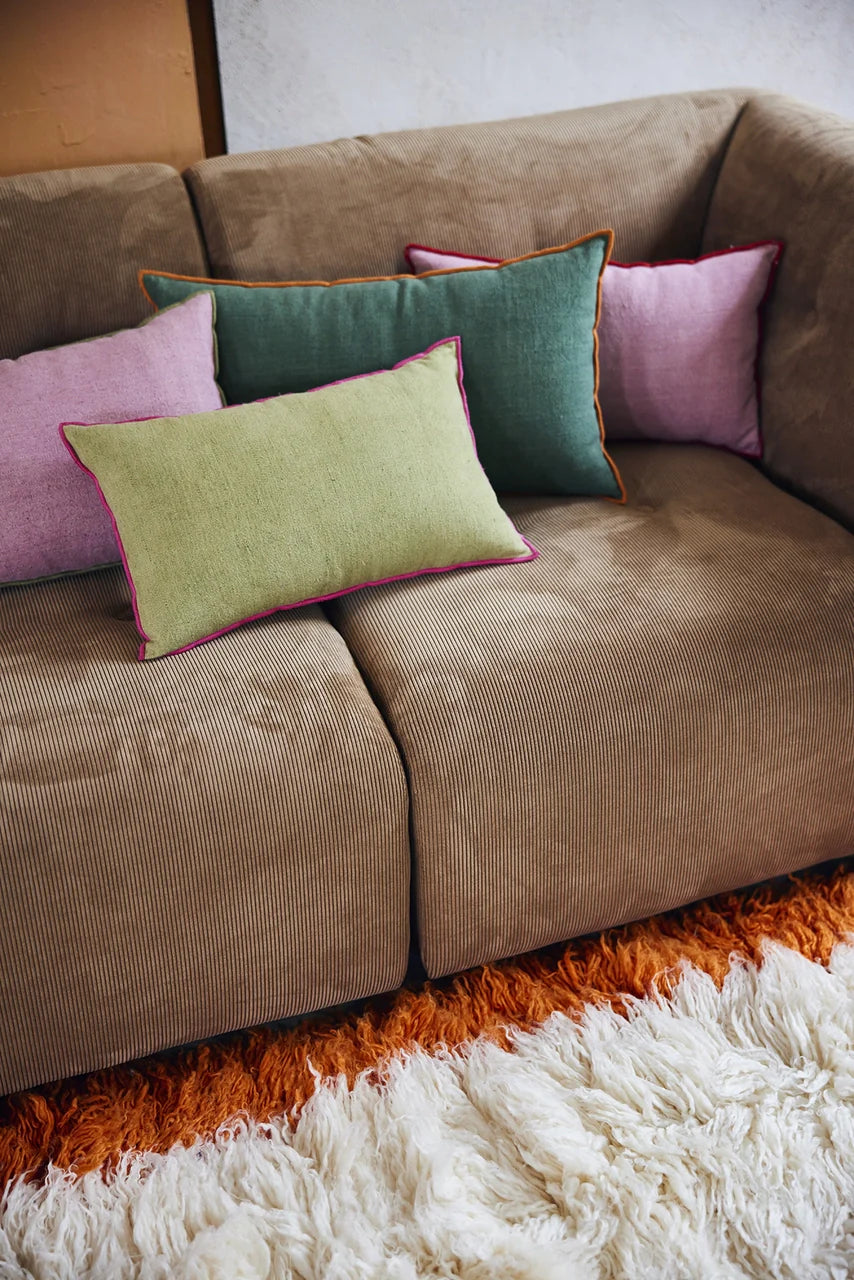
(706, 1134)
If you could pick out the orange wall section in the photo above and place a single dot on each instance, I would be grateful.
(96, 82)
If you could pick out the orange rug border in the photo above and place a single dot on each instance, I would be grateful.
(86, 1122)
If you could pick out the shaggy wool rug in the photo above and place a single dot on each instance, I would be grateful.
(673, 1099)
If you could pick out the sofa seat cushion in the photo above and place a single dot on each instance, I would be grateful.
(658, 708)
(188, 846)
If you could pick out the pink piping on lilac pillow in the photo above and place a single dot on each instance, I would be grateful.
(533, 554)
(736, 428)
(753, 454)
(463, 257)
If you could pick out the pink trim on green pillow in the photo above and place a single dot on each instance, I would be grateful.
(532, 553)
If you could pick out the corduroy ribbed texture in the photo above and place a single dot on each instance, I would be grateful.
(189, 846)
(789, 173)
(72, 242)
(659, 708)
(347, 208)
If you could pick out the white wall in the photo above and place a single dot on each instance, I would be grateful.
(296, 71)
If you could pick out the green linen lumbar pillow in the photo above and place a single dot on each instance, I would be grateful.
(233, 514)
(528, 329)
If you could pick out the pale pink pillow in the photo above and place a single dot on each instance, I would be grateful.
(52, 519)
(678, 344)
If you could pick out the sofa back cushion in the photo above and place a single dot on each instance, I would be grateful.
(347, 208)
(72, 241)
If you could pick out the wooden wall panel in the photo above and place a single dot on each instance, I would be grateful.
(96, 82)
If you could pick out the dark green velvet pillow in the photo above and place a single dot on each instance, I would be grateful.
(528, 328)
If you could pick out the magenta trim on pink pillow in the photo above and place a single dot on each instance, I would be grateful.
(333, 595)
(710, 393)
(715, 393)
(446, 265)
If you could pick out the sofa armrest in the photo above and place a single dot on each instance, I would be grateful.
(789, 175)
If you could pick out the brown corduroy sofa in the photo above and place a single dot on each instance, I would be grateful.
(659, 708)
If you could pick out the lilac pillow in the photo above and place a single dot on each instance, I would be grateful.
(53, 521)
(678, 344)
